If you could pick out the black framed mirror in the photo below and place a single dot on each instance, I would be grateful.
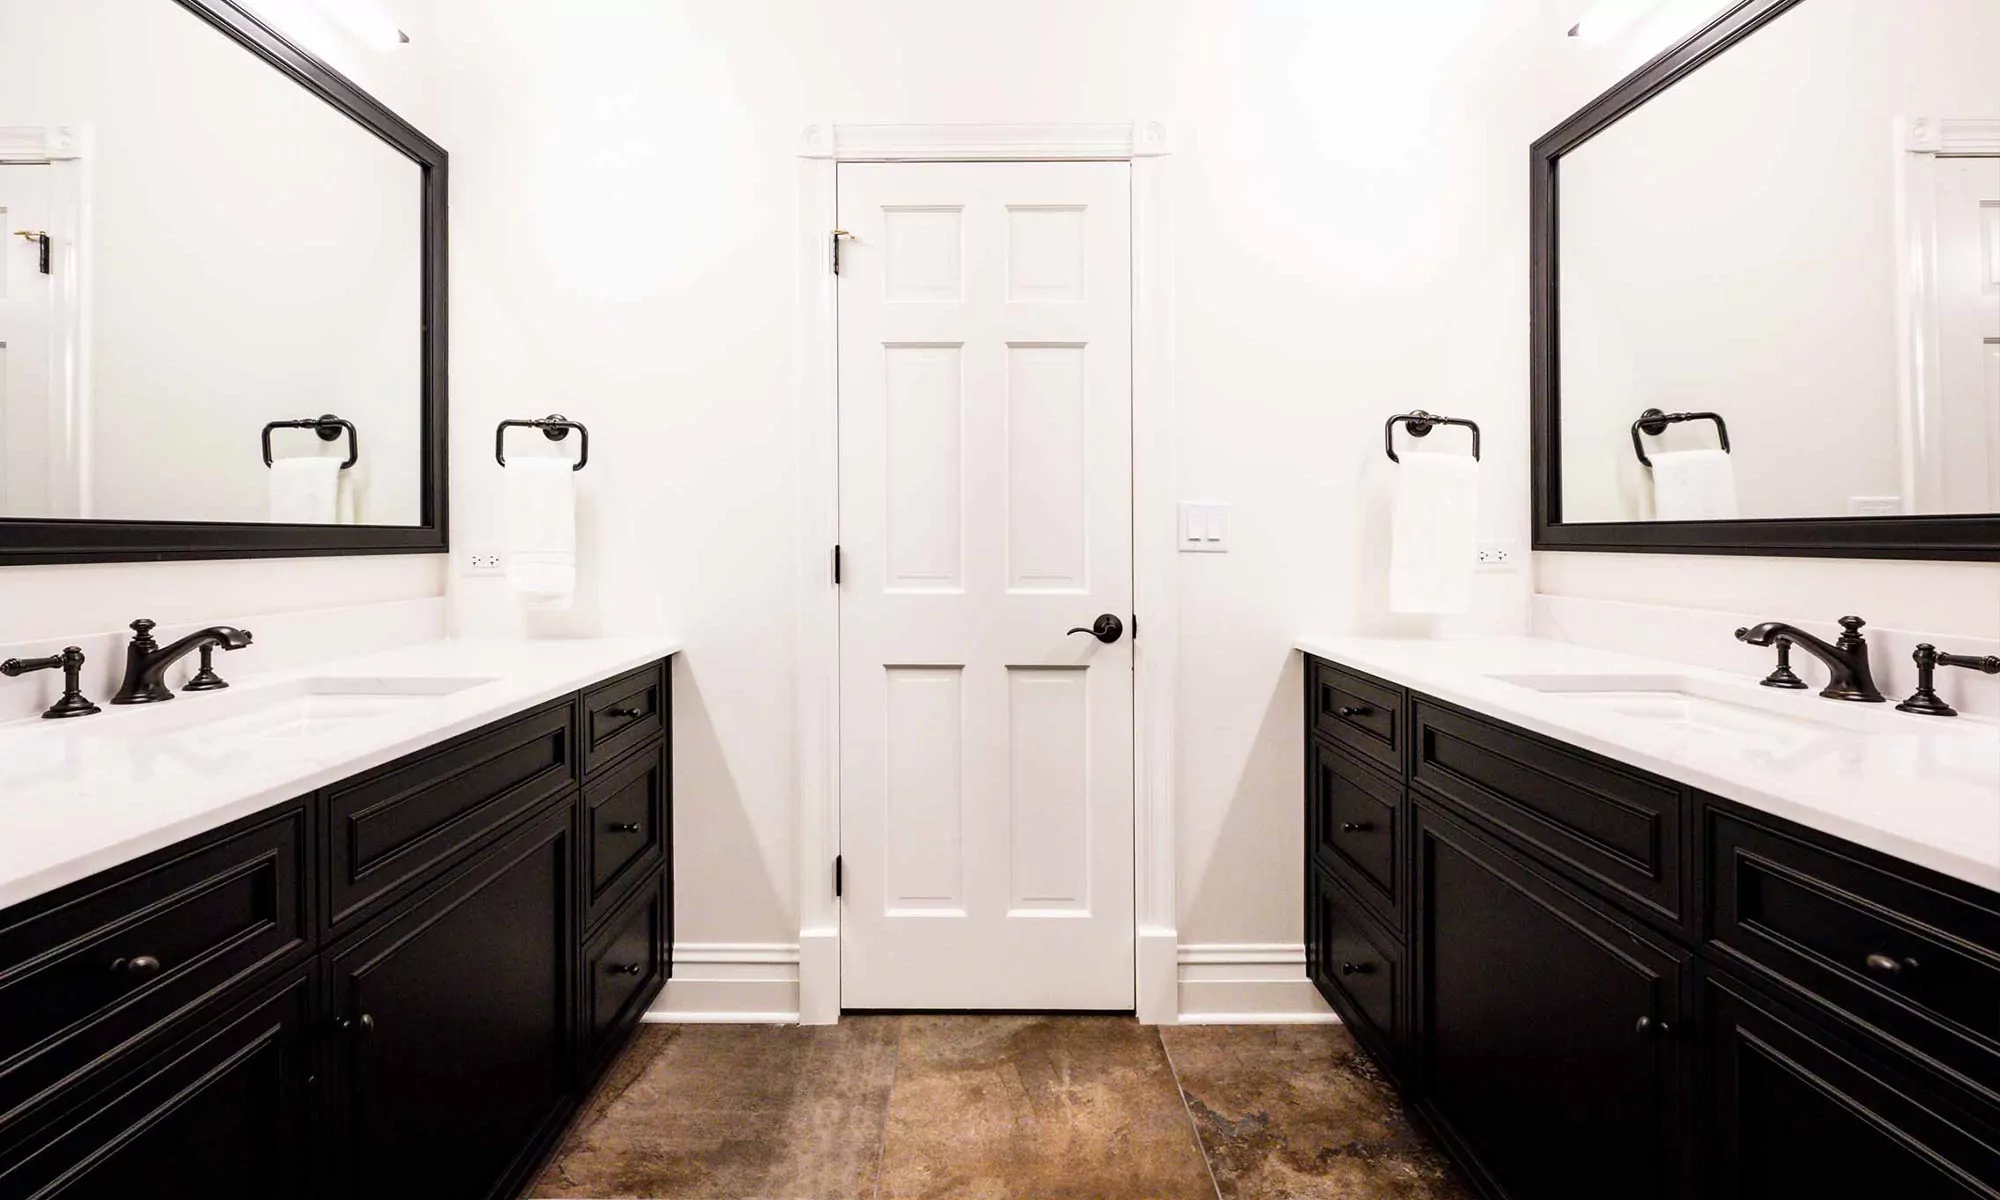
(223, 296)
(1766, 291)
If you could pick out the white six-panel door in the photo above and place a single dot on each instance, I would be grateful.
(985, 509)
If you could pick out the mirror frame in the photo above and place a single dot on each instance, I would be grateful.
(26, 541)
(1973, 537)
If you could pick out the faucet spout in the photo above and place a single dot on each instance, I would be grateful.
(1849, 674)
(146, 661)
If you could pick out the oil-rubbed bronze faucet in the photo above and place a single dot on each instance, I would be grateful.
(70, 662)
(1925, 700)
(1846, 659)
(146, 661)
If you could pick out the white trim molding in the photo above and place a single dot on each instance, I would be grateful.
(753, 983)
(984, 143)
(1147, 145)
(1921, 142)
(1252, 983)
(64, 150)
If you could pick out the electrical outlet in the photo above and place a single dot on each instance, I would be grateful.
(1497, 554)
(481, 562)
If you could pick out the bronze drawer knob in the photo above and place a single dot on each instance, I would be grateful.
(139, 966)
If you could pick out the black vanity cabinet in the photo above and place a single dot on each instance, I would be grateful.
(1591, 981)
(389, 988)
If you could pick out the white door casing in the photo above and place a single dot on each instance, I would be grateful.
(25, 293)
(1968, 283)
(985, 459)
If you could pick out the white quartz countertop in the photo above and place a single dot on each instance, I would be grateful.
(1924, 789)
(82, 795)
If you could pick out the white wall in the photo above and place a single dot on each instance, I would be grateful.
(1732, 246)
(59, 602)
(1958, 598)
(1351, 211)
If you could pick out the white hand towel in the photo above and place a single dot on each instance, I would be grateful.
(1693, 485)
(538, 511)
(304, 491)
(1432, 533)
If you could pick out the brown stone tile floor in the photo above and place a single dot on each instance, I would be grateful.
(936, 1107)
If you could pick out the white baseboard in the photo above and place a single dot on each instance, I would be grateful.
(752, 983)
(1248, 983)
(757, 983)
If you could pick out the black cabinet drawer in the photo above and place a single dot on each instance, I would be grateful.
(626, 831)
(1908, 953)
(221, 1114)
(619, 715)
(388, 830)
(102, 964)
(1799, 1112)
(1357, 818)
(1609, 824)
(1360, 712)
(1358, 966)
(624, 967)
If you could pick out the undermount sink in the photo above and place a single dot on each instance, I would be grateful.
(309, 707)
(1706, 707)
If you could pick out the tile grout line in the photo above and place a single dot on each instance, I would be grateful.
(889, 1102)
(1193, 1125)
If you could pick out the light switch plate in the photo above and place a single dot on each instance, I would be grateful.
(1204, 528)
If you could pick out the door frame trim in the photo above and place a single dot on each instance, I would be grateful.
(64, 148)
(1147, 146)
(1921, 142)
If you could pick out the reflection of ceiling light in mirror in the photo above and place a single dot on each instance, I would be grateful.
(1605, 19)
(367, 20)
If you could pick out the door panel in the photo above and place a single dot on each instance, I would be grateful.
(1529, 1007)
(457, 1020)
(985, 510)
(1968, 374)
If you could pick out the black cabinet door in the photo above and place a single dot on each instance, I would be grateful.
(1795, 1114)
(220, 1114)
(456, 1018)
(1550, 1052)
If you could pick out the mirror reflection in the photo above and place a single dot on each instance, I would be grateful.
(205, 266)
(1779, 279)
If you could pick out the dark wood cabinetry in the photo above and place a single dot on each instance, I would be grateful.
(1538, 1011)
(453, 1022)
(1598, 982)
(386, 989)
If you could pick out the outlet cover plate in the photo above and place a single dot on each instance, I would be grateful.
(1498, 554)
(481, 562)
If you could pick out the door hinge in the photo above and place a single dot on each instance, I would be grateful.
(836, 564)
(1135, 627)
(836, 875)
(835, 239)
(41, 241)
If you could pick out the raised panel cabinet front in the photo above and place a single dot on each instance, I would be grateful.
(98, 966)
(1551, 1053)
(455, 1026)
(222, 1113)
(626, 832)
(1794, 1114)
(391, 828)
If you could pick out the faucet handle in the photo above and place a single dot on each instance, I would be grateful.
(144, 628)
(1852, 624)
